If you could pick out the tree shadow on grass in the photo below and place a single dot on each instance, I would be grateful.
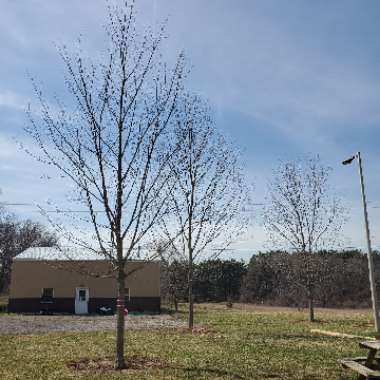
(137, 362)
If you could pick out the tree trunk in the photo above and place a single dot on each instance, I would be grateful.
(5, 275)
(120, 326)
(311, 308)
(2, 278)
(191, 300)
(190, 269)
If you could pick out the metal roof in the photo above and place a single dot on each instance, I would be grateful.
(55, 253)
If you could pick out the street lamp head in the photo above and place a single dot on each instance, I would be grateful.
(349, 160)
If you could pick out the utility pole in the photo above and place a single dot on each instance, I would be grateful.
(371, 268)
(369, 249)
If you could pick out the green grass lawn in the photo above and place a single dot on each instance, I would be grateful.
(241, 343)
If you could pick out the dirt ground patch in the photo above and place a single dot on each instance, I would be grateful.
(197, 330)
(103, 365)
(15, 324)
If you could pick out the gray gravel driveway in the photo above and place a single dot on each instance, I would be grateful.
(17, 324)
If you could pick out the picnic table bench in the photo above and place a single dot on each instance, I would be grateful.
(368, 367)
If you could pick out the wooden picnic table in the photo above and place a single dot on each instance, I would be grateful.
(368, 367)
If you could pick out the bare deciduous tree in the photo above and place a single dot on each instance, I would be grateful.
(302, 216)
(108, 145)
(208, 194)
(15, 237)
(173, 274)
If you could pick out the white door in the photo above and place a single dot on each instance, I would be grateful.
(81, 300)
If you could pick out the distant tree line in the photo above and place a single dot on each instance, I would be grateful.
(213, 281)
(269, 278)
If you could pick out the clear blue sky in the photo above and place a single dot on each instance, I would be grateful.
(285, 78)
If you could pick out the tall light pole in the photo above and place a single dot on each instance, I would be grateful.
(369, 250)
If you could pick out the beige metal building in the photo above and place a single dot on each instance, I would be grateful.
(80, 286)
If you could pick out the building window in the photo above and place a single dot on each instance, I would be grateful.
(47, 295)
(127, 294)
(82, 295)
